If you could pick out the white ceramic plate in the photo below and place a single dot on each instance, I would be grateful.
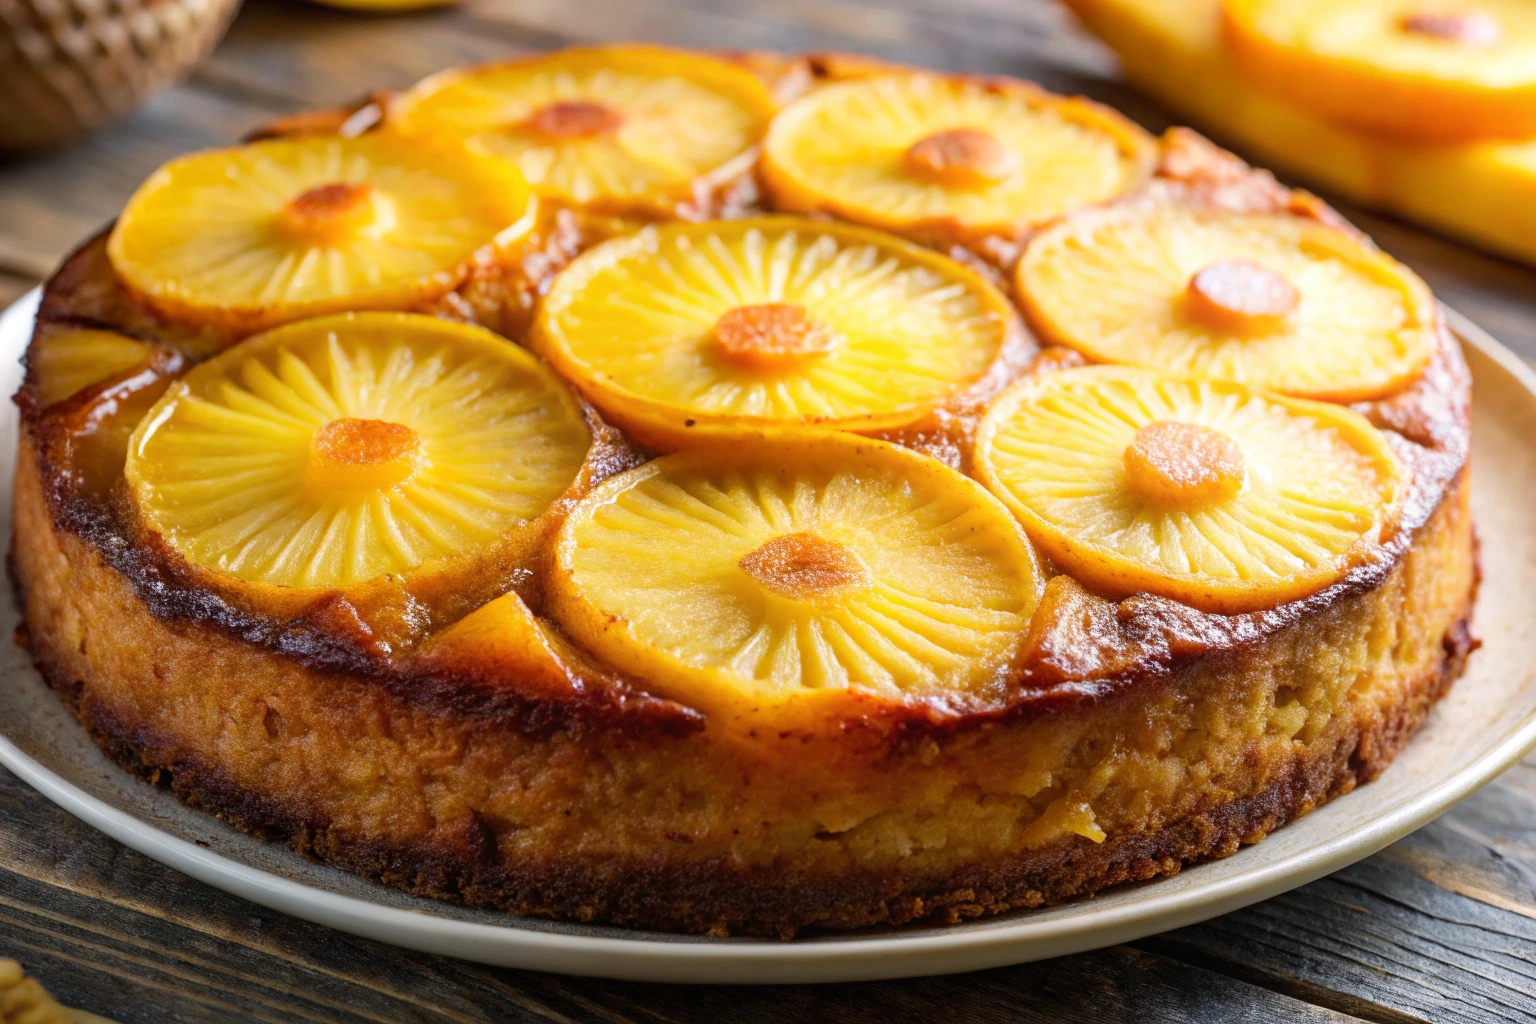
(1486, 724)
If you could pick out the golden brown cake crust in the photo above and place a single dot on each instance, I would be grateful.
(159, 697)
(1128, 738)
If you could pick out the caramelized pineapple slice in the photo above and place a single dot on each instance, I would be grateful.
(685, 330)
(331, 451)
(1271, 301)
(920, 152)
(504, 642)
(1226, 499)
(262, 234)
(620, 128)
(1439, 71)
(64, 360)
(801, 563)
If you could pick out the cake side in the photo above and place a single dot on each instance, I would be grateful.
(706, 832)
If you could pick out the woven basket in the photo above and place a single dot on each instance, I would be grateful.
(66, 66)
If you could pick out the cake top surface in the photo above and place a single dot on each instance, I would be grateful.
(664, 387)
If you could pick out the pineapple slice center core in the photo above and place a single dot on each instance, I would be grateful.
(570, 120)
(1465, 28)
(1183, 465)
(356, 455)
(327, 213)
(802, 567)
(961, 158)
(772, 336)
(1241, 297)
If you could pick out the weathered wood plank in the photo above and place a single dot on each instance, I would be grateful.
(1118, 984)
(343, 55)
(112, 932)
(1440, 926)
(12, 286)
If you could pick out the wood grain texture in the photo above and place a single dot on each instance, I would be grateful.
(1440, 927)
(13, 286)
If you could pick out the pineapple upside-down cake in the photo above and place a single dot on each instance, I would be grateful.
(742, 493)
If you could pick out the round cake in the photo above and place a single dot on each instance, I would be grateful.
(741, 494)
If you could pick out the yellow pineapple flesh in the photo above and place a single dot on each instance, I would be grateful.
(915, 152)
(1224, 498)
(502, 640)
(274, 231)
(683, 330)
(332, 451)
(803, 563)
(65, 360)
(624, 128)
(1272, 301)
(1439, 71)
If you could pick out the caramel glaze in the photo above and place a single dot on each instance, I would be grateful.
(1080, 648)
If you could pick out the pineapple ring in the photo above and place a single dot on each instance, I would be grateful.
(1271, 301)
(1227, 499)
(332, 451)
(1419, 70)
(625, 128)
(65, 360)
(274, 231)
(913, 151)
(687, 329)
(798, 563)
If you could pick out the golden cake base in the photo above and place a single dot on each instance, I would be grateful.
(648, 820)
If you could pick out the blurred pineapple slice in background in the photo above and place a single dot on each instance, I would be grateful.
(619, 128)
(1226, 499)
(1173, 50)
(686, 329)
(970, 157)
(273, 231)
(806, 562)
(1273, 301)
(66, 359)
(1419, 70)
(24, 1001)
(331, 451)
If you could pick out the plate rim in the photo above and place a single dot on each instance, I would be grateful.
(691, 959)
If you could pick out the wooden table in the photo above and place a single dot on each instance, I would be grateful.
(1439, 927)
